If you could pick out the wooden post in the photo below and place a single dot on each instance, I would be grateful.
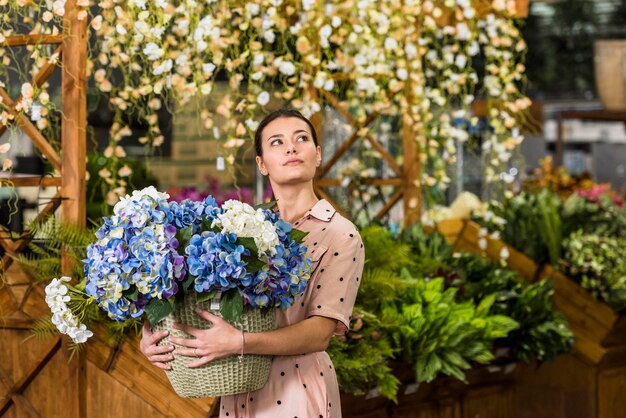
(411, 183)
(73, 172)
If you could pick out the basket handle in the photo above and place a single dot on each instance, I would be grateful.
(215, 301)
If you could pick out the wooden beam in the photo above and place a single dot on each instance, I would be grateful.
(411, 172)
(30, 181)
(392, 201)
(31, 130)
(38, 365)
(16, 323)
(73, 172)
(19, 400)
(44, 73)
(26, 237)
(368, 181)
(22, 40)
(384, 154)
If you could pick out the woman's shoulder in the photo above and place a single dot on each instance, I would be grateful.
(340, 228)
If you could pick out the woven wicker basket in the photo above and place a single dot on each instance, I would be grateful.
(226, 376)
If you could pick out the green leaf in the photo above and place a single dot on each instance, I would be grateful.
(206, 226)
(204, 296)
(231, 306)
(268, 205)
(188, 282)
(485, 305)
(298, 235)
(184, 236)
(157, 309)
(249, 243)
(131, 293)
(253, 264)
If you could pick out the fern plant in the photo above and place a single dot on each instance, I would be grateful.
(362, 357)
(42, 262)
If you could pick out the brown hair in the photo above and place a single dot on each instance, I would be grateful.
(281, 113)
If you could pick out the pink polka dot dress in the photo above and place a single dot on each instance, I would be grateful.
(305, 386)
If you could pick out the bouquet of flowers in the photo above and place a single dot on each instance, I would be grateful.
(165, 258)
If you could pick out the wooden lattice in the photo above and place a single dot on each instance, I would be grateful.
(404, 177)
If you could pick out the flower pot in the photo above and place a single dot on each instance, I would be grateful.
(226, 376)
(610, 72)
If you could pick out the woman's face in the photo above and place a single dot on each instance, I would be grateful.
(289, 153)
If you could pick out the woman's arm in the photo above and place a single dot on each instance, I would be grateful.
(308, 336)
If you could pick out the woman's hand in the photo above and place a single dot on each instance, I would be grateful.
(158, 355)
(221, 340)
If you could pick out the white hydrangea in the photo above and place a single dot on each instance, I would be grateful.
(62, 316)
(137, 194)
(244, 221)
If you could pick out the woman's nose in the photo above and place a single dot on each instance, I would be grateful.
(291, 148)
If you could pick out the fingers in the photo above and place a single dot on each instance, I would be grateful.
(159, 349)
(184, 343)
(163, 366)
(154, 338)
(146, 328)
(200, 361)
(186, 329)
(208, 316)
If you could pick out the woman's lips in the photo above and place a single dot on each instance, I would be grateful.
(293, 162)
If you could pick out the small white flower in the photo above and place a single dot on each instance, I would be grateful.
(153, 51)
(263, 98)
(269, 36)
(165, 67)
(287, 68)
(208, 68)
(504, 253)
(141, 4)
(411, 50)
(252, 125)
(391, 44)
(326, 31)
(402, 74)
(336, 21)
(252, 8)
(258, 60)
(460, 61)
(482, 244)
(120, 29)
(35, 112)
(463, 32)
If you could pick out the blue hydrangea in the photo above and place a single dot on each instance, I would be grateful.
(215, 261)
(135, 258)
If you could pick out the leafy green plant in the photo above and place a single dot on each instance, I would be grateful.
(597, 263)
(438, 334)
(601, 217)
(519, 222)
(549, 223)
(362, 358)
(543, 332)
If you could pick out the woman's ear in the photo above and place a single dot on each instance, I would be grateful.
(261, 165)
(318, 156)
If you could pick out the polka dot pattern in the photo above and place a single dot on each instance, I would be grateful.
(304, 385)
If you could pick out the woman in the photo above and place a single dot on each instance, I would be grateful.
(302, 380)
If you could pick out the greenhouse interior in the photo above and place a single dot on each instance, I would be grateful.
(185, 185)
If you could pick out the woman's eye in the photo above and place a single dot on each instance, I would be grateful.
(303, 137)
(275, 141)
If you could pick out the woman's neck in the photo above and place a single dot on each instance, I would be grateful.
(293, 204)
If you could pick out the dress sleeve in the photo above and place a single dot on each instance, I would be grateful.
(335, 288)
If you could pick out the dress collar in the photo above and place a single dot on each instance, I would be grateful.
(322, 210)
